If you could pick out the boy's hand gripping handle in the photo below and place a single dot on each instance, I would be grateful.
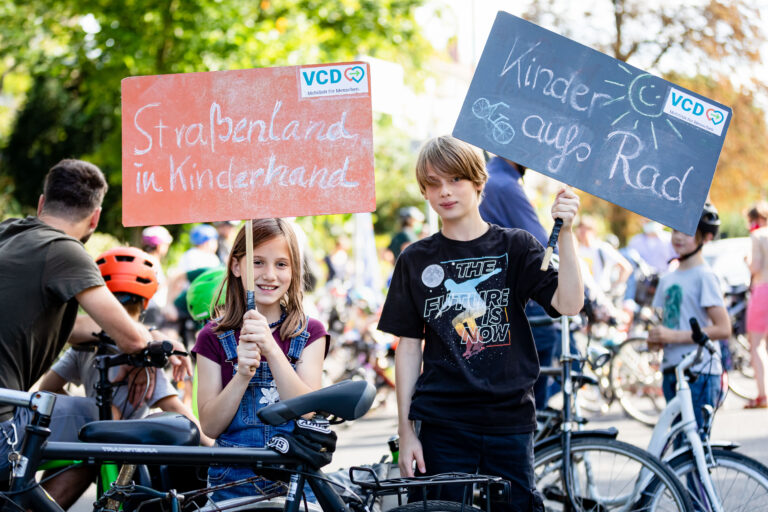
(551, 243)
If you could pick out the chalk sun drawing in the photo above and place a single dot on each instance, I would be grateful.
(645, 95)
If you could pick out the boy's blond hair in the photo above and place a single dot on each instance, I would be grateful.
(451, 157)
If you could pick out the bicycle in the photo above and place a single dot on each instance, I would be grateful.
(599, 472)
(107, 356)
(363, 352)
(595, 394)
(503, 133)
(635, 376)
(153, 441)
(718, 478)
(741, 375)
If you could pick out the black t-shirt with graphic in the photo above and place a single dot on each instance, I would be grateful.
(467, 300)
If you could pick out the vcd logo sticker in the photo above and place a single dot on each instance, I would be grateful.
(333, 80)
(695, 111)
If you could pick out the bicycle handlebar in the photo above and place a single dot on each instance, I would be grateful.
(702, 340)
(700, 337)
(155, 355)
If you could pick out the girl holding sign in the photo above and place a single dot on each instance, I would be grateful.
(254, 357)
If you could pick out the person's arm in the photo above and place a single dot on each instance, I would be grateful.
(173, 404)
(719, 330)
(625, 267)
(106, 312)
(568, 298)
(755, 263)
(84, 330)
(53, 382)
(408, 358)
(216, 406)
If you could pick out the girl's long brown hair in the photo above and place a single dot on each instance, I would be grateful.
(234, 307)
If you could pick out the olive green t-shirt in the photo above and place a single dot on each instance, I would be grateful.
(41, 271)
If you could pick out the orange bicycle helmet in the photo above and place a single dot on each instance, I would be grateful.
(129, 270)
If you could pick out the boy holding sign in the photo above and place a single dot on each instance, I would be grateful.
(463, 290)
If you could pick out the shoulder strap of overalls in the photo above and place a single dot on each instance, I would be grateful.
(227, 340)
(298, 342)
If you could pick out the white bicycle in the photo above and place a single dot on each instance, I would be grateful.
(717, 478)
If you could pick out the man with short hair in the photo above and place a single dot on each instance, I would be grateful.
(45, 275)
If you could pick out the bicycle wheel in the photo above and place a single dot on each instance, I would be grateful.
(503, 133)
(481, 108)
(636, 380)
(608, 475)
(739, 481)
(435, 506)
(741, 376)
(245, 504)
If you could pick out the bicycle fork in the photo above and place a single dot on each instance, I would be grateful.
(702, 469)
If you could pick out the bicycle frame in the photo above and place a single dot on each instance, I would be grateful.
(35, 448)
(347, 401)
(567, 432)
(160, 454)
(666, 430)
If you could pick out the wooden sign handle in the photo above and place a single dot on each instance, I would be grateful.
(249, 286)
(551, 243)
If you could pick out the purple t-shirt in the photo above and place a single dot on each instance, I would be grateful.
(209, 346)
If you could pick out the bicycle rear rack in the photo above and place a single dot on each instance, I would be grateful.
(491, 488)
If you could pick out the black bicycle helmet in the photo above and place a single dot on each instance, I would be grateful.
(709, 221)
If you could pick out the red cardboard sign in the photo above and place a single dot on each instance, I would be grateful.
(252, 143)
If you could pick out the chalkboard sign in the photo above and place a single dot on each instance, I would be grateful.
(589, 120)
(251, 143)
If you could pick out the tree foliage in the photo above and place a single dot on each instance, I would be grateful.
(77, 52)
(708, 46)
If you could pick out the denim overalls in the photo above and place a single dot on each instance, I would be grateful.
(246, 430)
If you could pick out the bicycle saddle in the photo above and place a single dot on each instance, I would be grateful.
(165, 428)
(348, 400)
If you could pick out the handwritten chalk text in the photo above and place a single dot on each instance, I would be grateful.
(185, 175)
(219, 128)
(527, 74)
(646, 177)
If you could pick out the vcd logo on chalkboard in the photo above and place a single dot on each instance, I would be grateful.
(337, 80)
(695, 111)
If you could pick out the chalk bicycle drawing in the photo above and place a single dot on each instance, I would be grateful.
(502, 132)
